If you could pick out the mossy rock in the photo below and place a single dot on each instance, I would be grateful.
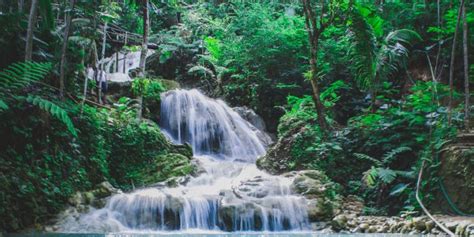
(170, 84)
(322, 194)
(167, 166)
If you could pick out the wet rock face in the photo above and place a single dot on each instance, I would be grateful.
(95, 197)
(456, 170)
(250, 115)
(278, 157)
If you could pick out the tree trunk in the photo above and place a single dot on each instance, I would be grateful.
(21, 4)
(102, 66)
(62, 67)
(146, 23)
(86, 82)
(144, 51)
(314, 85)
(125, 54)
(29, 31)
(466, 70)
(313, 37)
(117, 61)
(451, 66)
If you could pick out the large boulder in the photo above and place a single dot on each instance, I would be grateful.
(456, 169)
(257, 123)
(278, 158)
(321, 193)
(95, 197)
(168, 167)
(252, 117)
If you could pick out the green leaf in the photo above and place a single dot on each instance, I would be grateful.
(386, 175)
(54, 110)
(398, 189)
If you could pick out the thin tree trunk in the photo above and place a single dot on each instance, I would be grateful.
(117, 61)
(146, 23)
(451, 66)
(313, 38)
(144, 51)
(438, 54)
(86, 82)
(29, 31)
(102, 65)
(62, 67)
(21, 5)
(125, 54)
(466, 70)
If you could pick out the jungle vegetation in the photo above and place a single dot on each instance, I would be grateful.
(367, 89)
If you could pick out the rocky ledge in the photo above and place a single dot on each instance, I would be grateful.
(344, 223)
(350, 220)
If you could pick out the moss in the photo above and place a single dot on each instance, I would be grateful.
(170, 84)
(167, 166)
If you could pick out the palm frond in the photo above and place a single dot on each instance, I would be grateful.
(390, 156)
(54, 110)
(363, 50)
(368, 158)
(403, 36)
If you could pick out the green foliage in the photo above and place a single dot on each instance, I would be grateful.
(375, 61)
(148, 88)
(19, 75)
(54, 110)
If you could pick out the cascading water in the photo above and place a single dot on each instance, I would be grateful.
(230, 194)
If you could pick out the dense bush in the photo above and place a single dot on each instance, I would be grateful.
(43, 164)
(378, 154)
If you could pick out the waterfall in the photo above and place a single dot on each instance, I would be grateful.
(210, 126)
(231, 194)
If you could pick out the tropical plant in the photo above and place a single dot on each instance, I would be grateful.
(381, 171)
(20, 75)
(374, 58)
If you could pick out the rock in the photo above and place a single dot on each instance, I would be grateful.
(319, 191)
(429, 225)
(250, 115)
(419, 223)
(105, 189)
(372, 229)
(363, 226)
(457, 169)
(383, 229)
(311, 183)
(451, 226)
(257, 123)
(460, 229)
(319, 226)
(278, 157)
(469, 230)
(339, 222)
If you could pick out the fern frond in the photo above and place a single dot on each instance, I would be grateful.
(368, 158)
(392, 155)
(201, 70)
(370, 177)
(54, 110)
(386, 175)
(19, 75)
(3, 105)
